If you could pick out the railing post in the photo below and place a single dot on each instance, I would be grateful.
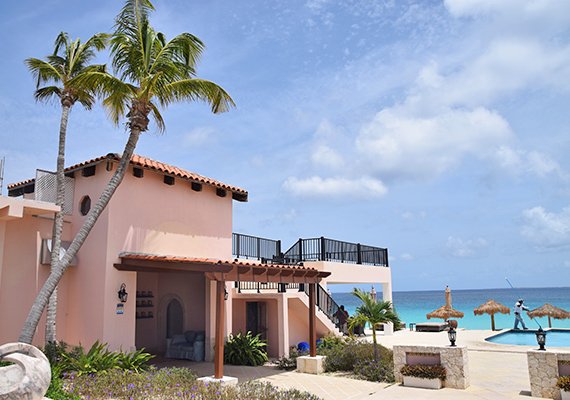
(386, 255)
(237, 244)
(258, 248)
(322, 252)
(300, 249)
(278, 248)
(358, 254)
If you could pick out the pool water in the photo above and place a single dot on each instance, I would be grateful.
(554, 338)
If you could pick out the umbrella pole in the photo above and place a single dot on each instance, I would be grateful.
(549, 322)
(493, 322)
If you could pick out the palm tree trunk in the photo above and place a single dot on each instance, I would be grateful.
(51, 314)
(50, 284)
(374, 342)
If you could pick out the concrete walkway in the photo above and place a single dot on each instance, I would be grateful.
(496, 372)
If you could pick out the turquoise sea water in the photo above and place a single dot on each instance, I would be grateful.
(413, 306)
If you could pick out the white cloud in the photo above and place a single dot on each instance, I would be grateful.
(406, 257)
(335, 187)
(527, 162)
(409, 215)
(465, 248)
(198, 136)
(546, 229)
(399, 144)
(325, 156)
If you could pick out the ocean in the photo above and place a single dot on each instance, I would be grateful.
(413, 306)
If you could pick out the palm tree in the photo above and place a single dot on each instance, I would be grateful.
(69, 61)
(374, 313)
(151, 72)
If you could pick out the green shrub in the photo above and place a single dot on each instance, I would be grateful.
(374, 371)
(55, 390)
(5, 363)
(424, 371)
(97, 359)
(330, 341)
(564, 383)
(245, 350)
(136, 361)
(170, 383)
(289, 363)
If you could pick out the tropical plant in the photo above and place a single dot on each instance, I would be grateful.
(245, 350)
(425, 371)
(136, 361)
(374, 313)
(563, 383)
(98, 359)
(289, 363)
(152, 72)
(69, 61)
(346, 355)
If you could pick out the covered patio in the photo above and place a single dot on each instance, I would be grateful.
(221, 271)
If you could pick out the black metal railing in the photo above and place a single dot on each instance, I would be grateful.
(263, 286)
(251, 247)
(323, 249)
(324, 300)
(326, 304)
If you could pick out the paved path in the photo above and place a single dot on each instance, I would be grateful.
(496, 372)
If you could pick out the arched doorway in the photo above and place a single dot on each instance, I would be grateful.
(174, 318)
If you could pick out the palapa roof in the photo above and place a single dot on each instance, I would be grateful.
(444, 312)
(491, 307)
(548, 310)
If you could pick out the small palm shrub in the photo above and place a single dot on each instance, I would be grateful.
(97, 359)
(136, 361)
(425, 371)
(245, 350)
(564, 383)
(330, 341)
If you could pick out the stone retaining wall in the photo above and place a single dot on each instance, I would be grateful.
(454, 359)
(543, 372)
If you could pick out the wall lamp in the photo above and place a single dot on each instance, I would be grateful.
(122, 293)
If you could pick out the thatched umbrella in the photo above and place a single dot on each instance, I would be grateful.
(491, 307)
(548, 310)
(446, 311)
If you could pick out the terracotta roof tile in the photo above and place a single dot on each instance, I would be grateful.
(212, 261)
(150, 164)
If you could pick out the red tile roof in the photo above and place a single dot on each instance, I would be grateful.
(211, 261)
(147, 163)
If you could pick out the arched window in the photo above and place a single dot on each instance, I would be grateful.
(85, 205)
(174, 318)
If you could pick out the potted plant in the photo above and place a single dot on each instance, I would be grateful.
(564, 385)
(424, 376)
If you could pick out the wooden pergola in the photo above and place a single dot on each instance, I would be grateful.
(222, 271)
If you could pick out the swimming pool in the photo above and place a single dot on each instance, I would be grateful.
(554, 338)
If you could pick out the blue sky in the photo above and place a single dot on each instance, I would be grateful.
(438, 129)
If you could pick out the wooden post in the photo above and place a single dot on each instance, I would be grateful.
(312, 322)
(219, 342)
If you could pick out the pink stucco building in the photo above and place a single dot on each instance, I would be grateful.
(163, 235)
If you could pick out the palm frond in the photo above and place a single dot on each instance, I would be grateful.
(43, 71)
(47, 93)
(157, 117)
(61, 40)
(133, 13)
(197, 89)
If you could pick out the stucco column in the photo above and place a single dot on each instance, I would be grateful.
(387, 291)
(2, 241)
(229, 309)
(210, 319)
(283, 323)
